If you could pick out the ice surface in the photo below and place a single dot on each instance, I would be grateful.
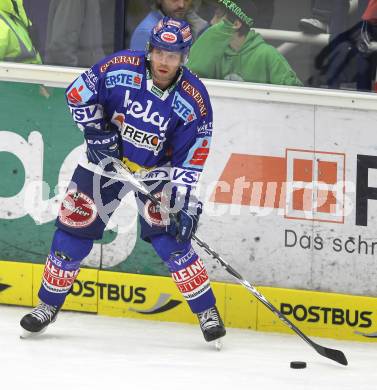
(86, 351)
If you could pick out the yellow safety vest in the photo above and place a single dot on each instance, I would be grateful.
(15, 42)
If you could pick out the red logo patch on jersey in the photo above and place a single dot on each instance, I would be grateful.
(200, 154)
(152, 212)
(74, 95)
(77, 210)
(137, 80)
(190, 118)
(118, 119)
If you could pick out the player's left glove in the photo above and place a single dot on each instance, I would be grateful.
(184, 223)
(101, 145)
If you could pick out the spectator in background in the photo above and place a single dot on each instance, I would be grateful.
(230, 50)
(320, 18)
(367, 47)
(265, 13)
(15, 42)
(332, 17)
(180, 9)
(135, 13)
(351, 55)
(74, 33)
(263, 19)
(37, 12)
(328, 16)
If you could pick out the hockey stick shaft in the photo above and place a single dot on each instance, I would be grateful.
(329, 353)
(333, 354)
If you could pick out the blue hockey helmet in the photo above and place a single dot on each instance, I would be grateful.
(171, 35)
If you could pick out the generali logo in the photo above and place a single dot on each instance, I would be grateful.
(304, 184)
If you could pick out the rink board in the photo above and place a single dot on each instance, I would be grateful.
(157, 298)
(288, 187)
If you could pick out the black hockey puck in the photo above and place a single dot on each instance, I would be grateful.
(298, 364)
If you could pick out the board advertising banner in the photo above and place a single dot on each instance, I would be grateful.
(289, 191)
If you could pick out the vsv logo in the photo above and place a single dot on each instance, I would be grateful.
(183, 108)
(86, 114)
(184, 176)
(136, 109)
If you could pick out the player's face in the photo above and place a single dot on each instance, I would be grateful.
(164, 66)
(175, 8)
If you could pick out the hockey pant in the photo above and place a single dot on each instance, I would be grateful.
(82, 219)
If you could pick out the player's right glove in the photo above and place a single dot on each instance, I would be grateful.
(184, 223)
(101, 144)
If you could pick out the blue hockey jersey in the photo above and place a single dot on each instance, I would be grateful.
(157, 127)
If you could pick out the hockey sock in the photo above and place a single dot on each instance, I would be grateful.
(187, 270)
(62, 266)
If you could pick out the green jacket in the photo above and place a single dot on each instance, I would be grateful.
(256, 61)
(15, 42)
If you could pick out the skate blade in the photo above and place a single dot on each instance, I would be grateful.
(25, 334)
(218, 344)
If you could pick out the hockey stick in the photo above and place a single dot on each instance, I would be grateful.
(333, 354)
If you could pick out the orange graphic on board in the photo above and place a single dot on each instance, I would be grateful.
(306, 184)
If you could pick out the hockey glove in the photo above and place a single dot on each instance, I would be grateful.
(184, 223)
(101, 145)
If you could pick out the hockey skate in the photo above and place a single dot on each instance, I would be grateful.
(37, 321)
(212, 326)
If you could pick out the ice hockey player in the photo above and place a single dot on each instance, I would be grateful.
(149, 111)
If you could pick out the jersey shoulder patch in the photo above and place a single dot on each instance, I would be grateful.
(123, 69)
(192, 89)
(131, 59)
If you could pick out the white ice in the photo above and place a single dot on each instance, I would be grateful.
(85, 351)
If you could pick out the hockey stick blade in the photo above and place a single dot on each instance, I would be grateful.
(333, 354)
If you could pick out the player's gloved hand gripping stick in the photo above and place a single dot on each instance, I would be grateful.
(100, 145)
(184, 223)
(123, 174)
